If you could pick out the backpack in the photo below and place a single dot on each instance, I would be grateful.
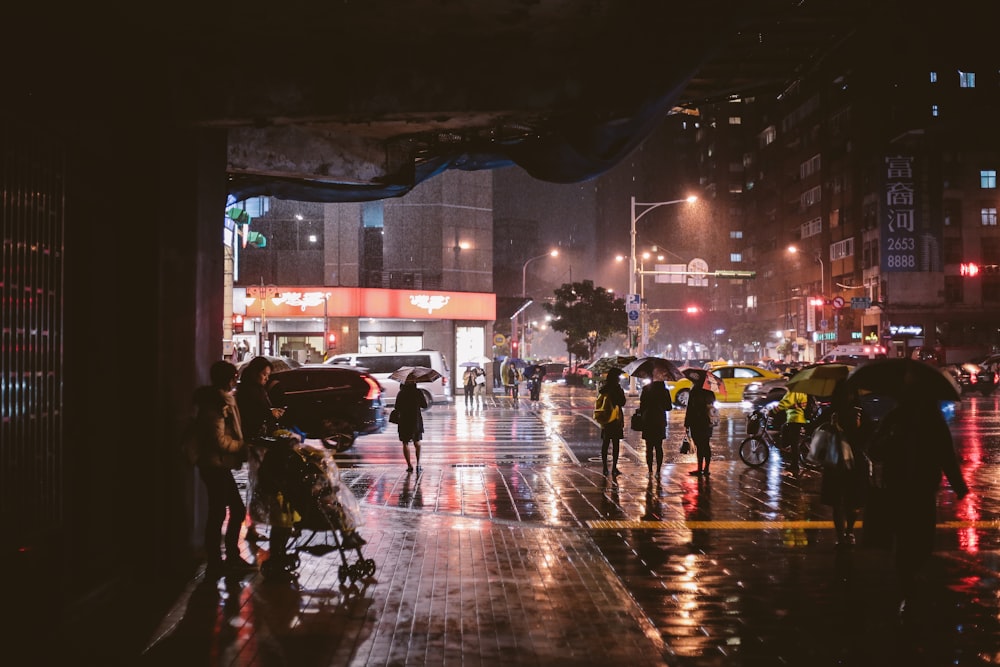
(605, 411)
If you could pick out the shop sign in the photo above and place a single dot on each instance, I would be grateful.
(292, 302)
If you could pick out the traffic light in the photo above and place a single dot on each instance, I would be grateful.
(968, 269)
(331, 341)
(237, 323)
(817, 301)
(692, 310)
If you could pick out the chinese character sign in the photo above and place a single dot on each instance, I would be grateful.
(900, 223)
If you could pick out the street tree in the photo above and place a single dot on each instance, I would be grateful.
(587, 315)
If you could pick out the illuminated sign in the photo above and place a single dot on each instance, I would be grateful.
(411, 304)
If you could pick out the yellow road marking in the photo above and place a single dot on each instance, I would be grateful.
(993, 524)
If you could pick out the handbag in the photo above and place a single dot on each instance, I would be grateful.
(394, 416)
(685, 447)
(714, 418)
(636, 421)
(826, 447)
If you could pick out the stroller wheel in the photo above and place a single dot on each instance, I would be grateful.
(343, 573)
(368, 568)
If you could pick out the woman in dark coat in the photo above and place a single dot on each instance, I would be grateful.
(697, 420)
(910, 450)
(654, 404)
(845, 484)
(613, 431)
(409, 402)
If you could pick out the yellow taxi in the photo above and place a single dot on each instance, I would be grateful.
(734, 377)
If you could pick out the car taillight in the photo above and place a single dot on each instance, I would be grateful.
(374, 391)
(444, 381)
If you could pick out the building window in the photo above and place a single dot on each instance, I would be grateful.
(811, 228)
(735, 120)
(934, 110)
(809, 167)
(842, 249)
(767, 137)
(966, 79)
(810, 197)
(736, 257)
(988, 216)
(988, 179)
(933, 77)
(736, 234)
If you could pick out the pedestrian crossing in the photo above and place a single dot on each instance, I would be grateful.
(456, 436)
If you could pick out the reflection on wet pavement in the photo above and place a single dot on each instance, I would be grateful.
(504, 550)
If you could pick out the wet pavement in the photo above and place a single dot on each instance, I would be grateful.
(511, 548)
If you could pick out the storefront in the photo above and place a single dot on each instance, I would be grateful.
(306, 323)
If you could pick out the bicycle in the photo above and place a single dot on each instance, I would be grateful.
(755, 449)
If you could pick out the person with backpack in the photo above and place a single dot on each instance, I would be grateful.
(610, 414)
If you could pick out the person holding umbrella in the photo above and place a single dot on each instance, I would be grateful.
(697, 419)
(654, 404)
(613, 430)
(409, 402)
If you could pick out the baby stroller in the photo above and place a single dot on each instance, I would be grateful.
(300, 494)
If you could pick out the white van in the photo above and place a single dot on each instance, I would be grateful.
(852, 354)
(382, 364)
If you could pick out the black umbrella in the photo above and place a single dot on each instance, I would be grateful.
(644, 367)
(904, 379)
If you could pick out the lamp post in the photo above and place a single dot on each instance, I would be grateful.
(516, 323)
(818, 256)
(645, 207)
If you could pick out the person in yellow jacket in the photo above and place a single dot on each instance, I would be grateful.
(794, 404)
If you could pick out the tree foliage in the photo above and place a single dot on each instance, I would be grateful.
(587, 315)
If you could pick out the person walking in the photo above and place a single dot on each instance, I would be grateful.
(612, 430)
(533, 376)
(654, 404)
(845, 481)
(698, 420)
(480, 387)
(793, 404)
(910, 450)
(409, 402)
(469, 386)
(221, 449)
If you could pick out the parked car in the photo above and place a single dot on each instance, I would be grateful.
(382, 364)
(330, 402)
(973, 377)
(554, 371)
(760, 389)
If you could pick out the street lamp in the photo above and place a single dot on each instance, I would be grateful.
(638, 349)
(818, 256)
(516, 326)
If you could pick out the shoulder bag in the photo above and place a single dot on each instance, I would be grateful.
(636, 421)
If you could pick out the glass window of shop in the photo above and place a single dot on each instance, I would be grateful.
(469, 343)
(390, 343)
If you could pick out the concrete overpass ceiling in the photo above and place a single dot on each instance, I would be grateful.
(353, 100)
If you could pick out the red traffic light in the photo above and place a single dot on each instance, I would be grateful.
(331, 340)
(692, 310)
(969, 269)
(237, 323)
